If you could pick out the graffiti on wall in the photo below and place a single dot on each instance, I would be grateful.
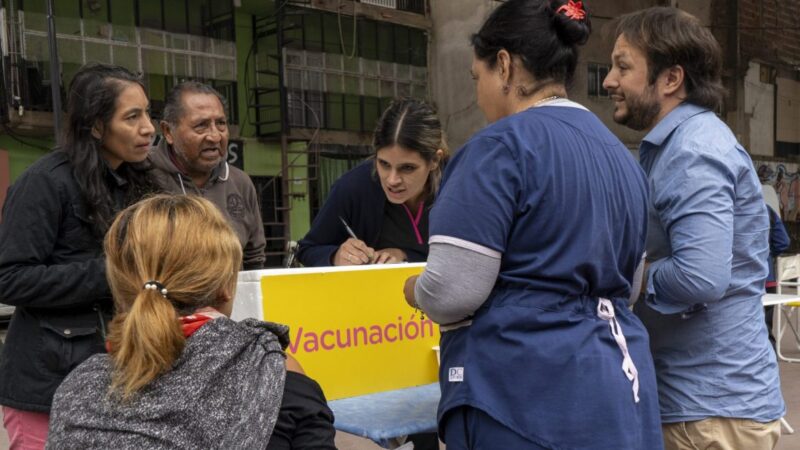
(785, 178)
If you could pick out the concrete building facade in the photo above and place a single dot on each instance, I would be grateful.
(762, 66)
(451, 57)
(307, 79)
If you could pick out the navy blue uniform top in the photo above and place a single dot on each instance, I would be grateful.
(563, 203)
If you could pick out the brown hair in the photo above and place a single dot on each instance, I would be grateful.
(184, 243)
(414, 125)
(671, 37)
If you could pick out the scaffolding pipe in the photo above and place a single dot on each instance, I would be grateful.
(55, 73)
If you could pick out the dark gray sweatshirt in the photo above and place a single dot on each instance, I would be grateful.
(224, 392)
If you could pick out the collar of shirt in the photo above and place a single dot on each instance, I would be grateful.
(664, 128)
(113, 175)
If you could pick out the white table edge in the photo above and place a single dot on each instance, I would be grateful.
(779, 299)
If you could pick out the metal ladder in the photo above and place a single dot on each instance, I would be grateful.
(267, 99)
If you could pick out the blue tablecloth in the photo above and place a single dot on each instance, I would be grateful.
(387, 415)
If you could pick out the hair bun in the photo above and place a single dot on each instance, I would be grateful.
(571, 21)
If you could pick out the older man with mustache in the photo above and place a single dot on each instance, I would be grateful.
(191, 159)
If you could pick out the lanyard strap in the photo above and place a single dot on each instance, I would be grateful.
(605, 311)
(415, 220)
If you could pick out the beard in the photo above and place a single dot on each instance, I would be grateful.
(642, 110)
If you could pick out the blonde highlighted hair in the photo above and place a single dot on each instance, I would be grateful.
(184, 243)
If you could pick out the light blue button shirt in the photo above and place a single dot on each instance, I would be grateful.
(708, 245)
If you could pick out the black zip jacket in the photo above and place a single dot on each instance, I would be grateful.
(53, 271)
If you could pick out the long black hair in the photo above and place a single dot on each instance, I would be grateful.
(92, 99)
(542, 34)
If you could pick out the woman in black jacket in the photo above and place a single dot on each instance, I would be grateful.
(52, 267)
(385, 201)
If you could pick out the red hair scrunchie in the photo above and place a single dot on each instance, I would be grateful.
(573, 10)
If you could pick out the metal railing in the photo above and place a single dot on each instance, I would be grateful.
(385, 3)
(415, 6)
(142, 50)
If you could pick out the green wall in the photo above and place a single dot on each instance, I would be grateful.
(264, 159)
(21, 156)
(301, 206)
(261, 159)
(244, 39)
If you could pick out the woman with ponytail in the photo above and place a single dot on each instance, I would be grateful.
(537, 231)
(51, 260)
(179, 373)
(378, 212)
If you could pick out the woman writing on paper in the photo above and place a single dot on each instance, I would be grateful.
(540, 350)
(378, 212)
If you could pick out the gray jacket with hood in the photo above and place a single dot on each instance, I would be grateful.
(230, 189)
(223, 392)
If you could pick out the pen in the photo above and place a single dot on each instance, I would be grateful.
(352, 234)
(347, 227)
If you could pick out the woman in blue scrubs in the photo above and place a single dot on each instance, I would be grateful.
(536, 234)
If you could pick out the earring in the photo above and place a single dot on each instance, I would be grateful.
(506, 89)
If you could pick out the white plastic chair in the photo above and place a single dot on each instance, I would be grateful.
(787, 275)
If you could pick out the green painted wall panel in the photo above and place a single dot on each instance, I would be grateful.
(21, 156)
(36, 6)
(122, 12)
(261, 159)
(301, 206)
(175, 17)
(150, 14)
(264, 159)
(244, 39)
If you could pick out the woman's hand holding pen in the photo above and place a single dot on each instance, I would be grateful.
(353, 252)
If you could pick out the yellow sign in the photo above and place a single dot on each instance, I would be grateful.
(351, 329)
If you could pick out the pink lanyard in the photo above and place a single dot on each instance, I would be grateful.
(415, 221)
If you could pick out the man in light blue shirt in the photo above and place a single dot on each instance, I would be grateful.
(707, 240)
